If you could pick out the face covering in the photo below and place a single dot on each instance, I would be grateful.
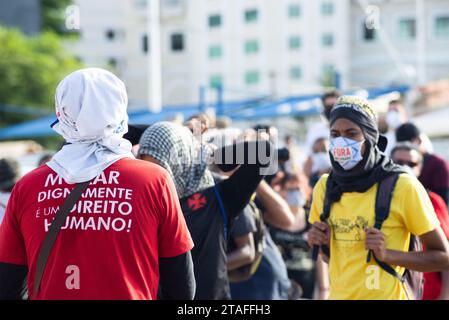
(294, 198)
(91, 109)
(393, 119)
(346, 152)
(409, 170)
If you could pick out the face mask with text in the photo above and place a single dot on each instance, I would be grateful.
(347, 152)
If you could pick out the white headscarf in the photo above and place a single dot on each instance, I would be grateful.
(91, 109)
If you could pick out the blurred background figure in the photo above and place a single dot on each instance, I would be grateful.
(394, 118)
(321, 128)
(9, 173)
(318, 162)
(435, 170)
(436, 284)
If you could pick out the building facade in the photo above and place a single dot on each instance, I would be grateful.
(266, 47)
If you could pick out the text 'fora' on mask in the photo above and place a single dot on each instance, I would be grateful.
(346, 152)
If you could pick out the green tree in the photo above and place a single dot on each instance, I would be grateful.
(30, 69)
(53, 15)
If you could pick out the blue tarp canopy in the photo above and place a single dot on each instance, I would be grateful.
(252, 109)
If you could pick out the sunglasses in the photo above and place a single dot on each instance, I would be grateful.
(411, 164)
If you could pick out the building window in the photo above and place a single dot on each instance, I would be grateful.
(251, 15)
(215, 52)
(294, 11)
(251, 46)
(327, 8)
(327, 40)
(216, 80)
(407, 28)
(295, 73)
(112, 62)
(110, 34)
(369, 34)
(294, 42)
(177, 42)
(214, 21)
(145, 43)
(442, 27)
(329, 75)
(252, 77)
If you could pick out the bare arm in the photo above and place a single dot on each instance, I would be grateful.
(277, 212)
(435, 258)
(244, 254)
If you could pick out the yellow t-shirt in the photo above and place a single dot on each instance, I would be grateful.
(351, 277)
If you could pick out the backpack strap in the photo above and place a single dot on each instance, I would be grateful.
(53, 232)
(384, 196)
(222, 211)
(327, 204)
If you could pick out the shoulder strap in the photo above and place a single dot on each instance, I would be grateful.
(384, 196)
(327, 204)
(383, 199)
(53, 232)
(222, 210)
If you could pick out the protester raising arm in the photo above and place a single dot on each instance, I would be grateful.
(276, 210)
(237, 190)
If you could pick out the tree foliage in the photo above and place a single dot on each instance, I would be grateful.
(30, 69)
(53, 15)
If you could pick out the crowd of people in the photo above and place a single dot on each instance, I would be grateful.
(202, 210)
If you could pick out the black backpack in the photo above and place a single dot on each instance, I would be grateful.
(413, 281)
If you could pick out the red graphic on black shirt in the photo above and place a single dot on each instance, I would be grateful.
(196, 202)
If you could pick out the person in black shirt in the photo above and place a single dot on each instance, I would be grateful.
(209, 208)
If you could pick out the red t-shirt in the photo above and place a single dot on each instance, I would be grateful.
(109, 247)
(432, 280)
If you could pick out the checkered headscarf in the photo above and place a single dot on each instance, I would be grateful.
(175, 148)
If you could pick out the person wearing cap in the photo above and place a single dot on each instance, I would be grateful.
(435, 171)
(124, 239)
(9, 173)
(358, 165)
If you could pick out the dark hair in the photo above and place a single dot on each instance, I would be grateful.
(407, 132)
(395, 101)
(330, 94)
(9, 173)
(405, 146)
(287, 178)
(134, 133)
(262, 127)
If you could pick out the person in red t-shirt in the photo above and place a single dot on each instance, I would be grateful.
(436, 284)
(125, 238)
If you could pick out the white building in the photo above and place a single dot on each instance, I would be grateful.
(411, 47)
(260, 47)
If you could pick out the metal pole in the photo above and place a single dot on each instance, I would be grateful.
(154, 57)
(202, 105)
(421, 42)
(220, 106)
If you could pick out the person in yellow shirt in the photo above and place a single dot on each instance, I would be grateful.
(358, 165)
